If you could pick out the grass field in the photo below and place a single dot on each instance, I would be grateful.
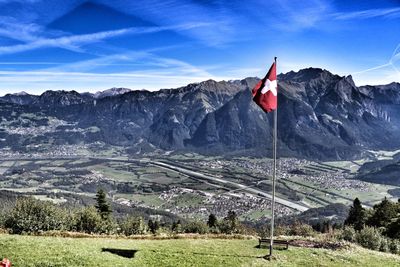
(57, 251)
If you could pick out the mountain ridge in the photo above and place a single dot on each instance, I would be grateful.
(321, 115)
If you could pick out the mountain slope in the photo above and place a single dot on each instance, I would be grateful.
(321, 115)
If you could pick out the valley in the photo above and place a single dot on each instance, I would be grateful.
(188, 185)
(205, 147)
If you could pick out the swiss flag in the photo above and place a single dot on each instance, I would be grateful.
(5, 263)
(265, 93)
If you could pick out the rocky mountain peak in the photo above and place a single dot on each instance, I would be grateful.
(321, 115)
(22, 93)
(111, 92)
(307, 75)
(60, 98)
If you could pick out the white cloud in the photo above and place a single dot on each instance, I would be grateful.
(157, 72)
(37, 81)
(366, 14)
(74, 42)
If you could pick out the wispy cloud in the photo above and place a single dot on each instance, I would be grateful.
(152, 72)
(16, 30)
(298, 15)
(367, 14)
(18, 63)
(84, 81)
(74, 42)
(384, 73)
(222, 20)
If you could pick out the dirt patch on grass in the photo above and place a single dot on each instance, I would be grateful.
(317, 244)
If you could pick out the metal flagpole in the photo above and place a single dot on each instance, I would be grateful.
(273, 177)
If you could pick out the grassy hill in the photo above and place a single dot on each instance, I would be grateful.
(58, 251)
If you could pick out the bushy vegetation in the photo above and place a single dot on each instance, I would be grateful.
(349, 234)
(131, 225)
(369, 237)
(377, 228)
(89, 220)
(32, 216)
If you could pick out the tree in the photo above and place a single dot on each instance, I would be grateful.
(31, 216)
(357, 215)
(384, 213)
(176, 226)
(393, 229)
(132, 226)
(196, 227)
(88, 220)
(102, 206)
(212, 221)
(153, 226)
(230, 224)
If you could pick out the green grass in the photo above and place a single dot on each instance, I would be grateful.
(116, 175)
(57, 251)
(148, 199)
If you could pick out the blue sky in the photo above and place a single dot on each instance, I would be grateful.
(96, 45)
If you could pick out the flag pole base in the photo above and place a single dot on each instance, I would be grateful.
(269, 257)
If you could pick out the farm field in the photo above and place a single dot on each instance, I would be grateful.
(30, 251)
(145, 183)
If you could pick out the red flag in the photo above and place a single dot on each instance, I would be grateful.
(265, 93)
(5, 263)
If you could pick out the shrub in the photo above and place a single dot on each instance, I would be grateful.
(348, 234)
(176, 227)
(369, 237)
(88, 220)
(278, 230)
(212, 221)
(225, 227)
(394, 246)
(153, 226)
(384, 247)
(3, 217)
(132, 226)
(301, 229)
(196, 227)
(393, 229)
(31, 216)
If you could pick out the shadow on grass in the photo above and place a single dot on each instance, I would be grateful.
(275, 247)
(207, 254)
(126, 253)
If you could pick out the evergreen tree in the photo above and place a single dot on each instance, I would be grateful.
(102, 206)
(232, 222)
(393, 229)
(357, 215)
(212, 221)
(153, 226)
(384, 213)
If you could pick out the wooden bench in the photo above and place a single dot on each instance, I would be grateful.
(276, 242)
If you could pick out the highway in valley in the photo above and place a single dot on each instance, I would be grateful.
(217, 181)
(210, 178)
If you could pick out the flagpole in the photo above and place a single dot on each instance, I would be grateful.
(273, 178)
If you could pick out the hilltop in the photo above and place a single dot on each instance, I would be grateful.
(57, 251)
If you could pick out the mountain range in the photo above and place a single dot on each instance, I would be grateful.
(320, 116)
